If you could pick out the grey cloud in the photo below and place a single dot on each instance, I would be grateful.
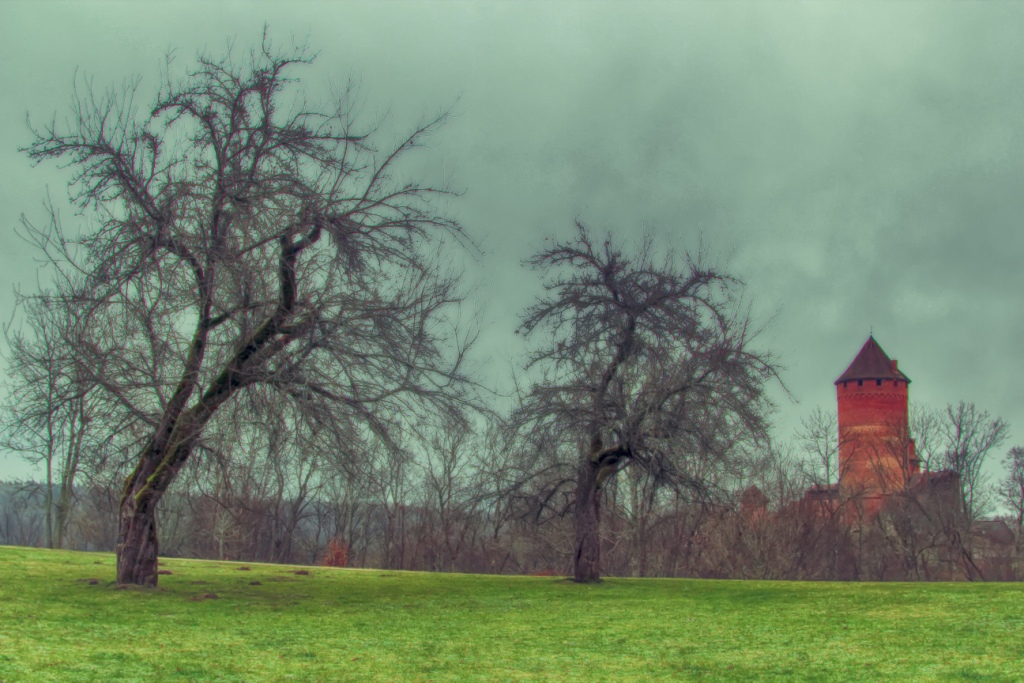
(857, 164)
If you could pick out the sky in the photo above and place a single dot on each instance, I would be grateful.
(860, 166)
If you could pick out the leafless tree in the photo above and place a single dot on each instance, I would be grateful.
(927, 525)
(448, 497)
(644, 361)
(969, 435)
(253, 492)
(818, 439)
(1011, 487)
(238, 237)
(780, 473)
(49, 407)
(501, 484)
(924, 423)
(22, 516)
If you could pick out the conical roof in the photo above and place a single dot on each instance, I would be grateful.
(871, 363)
(753, 497)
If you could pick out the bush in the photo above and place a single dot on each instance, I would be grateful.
(336, 555)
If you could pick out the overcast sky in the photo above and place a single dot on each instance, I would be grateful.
(859, 165)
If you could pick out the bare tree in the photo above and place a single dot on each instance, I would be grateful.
(22, 517)
(240, 236)
(924, 423)
(500, 478)
(448, 496)
(645, 362)
(818, 438)
(1011, 487)
(49, 407)
(779, 472)
(928, 524)
(969, 435)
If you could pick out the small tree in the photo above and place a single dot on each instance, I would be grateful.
(49, 407)
(819, 441)
(645, 362)
(242, 237)
(968, 436)
(1011, 487)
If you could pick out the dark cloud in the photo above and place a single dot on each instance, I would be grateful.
(858, 164)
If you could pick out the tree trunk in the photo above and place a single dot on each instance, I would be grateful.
(63, 514)
(158, 466)
(48, 499)
(587, 558)
(136, 538)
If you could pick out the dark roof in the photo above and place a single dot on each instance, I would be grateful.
(754, 497)
(994, 531)
(936, 479)
(871, 363)
(822, 490)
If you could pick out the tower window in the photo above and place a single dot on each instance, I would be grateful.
(860, 383)
(879, 382)
(896, 383)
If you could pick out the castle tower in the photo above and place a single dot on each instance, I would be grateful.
(876, 453)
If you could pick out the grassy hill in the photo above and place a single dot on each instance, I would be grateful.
(62, 619)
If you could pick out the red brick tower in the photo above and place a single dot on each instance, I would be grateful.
(876, 453)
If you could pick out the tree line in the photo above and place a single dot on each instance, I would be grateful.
(252, 349)
(459, 504)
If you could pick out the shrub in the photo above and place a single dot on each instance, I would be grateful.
(336, 555)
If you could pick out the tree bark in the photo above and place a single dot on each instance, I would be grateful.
(136, 537)
(587, 558)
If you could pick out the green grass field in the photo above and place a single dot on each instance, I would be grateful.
(62, 619)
